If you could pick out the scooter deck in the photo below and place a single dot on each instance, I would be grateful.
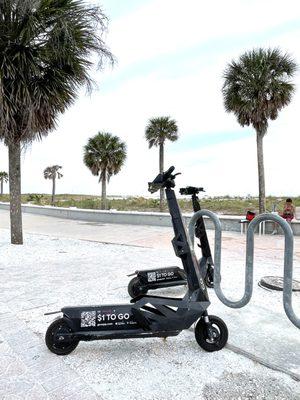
(106, 335)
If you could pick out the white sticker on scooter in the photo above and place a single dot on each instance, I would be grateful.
(88, 318)
(151, 276)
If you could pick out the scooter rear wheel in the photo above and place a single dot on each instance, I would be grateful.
(134, 288)
(219, 330)
(55, 340)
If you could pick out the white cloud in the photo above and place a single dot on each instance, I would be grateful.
(192, 96)
(167, 26)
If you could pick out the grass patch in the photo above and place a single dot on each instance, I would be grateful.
(224, 205)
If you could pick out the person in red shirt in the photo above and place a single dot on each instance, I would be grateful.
(288, 210)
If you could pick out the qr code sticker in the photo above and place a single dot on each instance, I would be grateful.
(151, 276)
(88, 318)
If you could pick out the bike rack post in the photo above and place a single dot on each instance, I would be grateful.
(288, 260)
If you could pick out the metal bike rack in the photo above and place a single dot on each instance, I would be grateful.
(288, 260)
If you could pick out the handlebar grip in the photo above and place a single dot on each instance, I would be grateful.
(168, 173)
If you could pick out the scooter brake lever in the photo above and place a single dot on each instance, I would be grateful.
(174, 176)
(134, 273)
(52, 312)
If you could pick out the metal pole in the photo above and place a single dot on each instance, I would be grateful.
(288, 259)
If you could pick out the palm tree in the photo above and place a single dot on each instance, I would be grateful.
(53, 174)
(157, 132)
(256, 88)
(104, 155)
(3, 179)
(45, 56)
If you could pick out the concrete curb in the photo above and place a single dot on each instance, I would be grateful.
(229, 223)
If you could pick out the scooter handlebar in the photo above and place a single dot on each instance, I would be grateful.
(190, 190)
(168, 173)
(162, 180)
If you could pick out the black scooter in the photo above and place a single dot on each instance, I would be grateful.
(152, 279)
(146, 316)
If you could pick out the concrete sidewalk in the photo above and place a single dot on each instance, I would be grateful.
(133, 235)
(230, 223)
(51, 271)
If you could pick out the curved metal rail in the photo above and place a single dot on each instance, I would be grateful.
(288, 260)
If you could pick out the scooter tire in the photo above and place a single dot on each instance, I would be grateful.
(63, 348)
(134, 289)
(220, 334)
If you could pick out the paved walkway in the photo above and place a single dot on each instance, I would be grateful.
(47, 273)
(133, 235)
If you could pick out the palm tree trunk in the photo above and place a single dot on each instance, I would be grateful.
(1, 187)
(261, 172)
(14, 157)
(161, 170)
(53, 191)
(103, 195)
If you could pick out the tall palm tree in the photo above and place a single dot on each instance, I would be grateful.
(256, 88)
(104, 155)
(45, 56)
(3, 179)
(158, 130)
(53, 174)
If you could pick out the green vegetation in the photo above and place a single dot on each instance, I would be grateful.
(46, 51)
(157, 132)
(35, 198)
(104, 155)
(223, 205)
(53, 173)
(256, 88)
(3, 179)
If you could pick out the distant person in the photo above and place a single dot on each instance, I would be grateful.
(288, 210)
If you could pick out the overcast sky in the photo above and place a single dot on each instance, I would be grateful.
(171, 56)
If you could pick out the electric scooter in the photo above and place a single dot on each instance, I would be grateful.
(152, 279)
(146, 316)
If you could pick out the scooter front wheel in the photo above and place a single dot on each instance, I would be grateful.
(134, 288)
(219, 335)
(59, 338)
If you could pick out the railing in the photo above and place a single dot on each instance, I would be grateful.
(288, 260)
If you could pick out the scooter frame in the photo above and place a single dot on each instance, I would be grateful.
(206, 263)
(146, 316)
(159, 278)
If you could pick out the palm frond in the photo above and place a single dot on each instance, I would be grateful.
(3, 176)
(105, 155)
(45, 56)
(258, 86)
(160, 129)
(53, 172)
